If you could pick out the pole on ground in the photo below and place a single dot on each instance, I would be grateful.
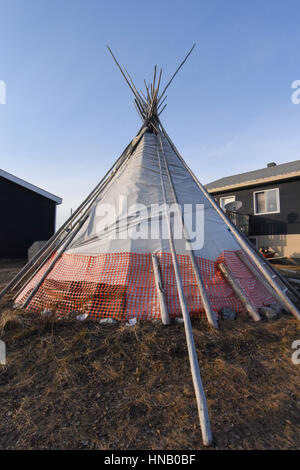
(160, 291)
(251, 309)
(199, 390)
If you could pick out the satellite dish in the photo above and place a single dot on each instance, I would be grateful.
(233, 206)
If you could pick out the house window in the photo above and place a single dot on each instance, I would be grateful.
(266, 202)
(226, 200)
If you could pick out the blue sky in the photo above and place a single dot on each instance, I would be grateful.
(69, 113)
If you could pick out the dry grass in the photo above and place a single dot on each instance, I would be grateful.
(84, 385)
(9, 320)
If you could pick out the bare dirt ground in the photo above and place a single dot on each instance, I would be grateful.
(73, 385)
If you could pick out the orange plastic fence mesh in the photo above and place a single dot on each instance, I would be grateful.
(121, 286)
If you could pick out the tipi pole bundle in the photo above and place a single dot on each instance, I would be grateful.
(269, 276)
(147, 105)
(203, 294)
(239, 292)
(45, 252)
(199, 390)
(160, 291)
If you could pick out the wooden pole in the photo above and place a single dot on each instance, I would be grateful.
(251, 309)
(2, 353)
(245, 244)
(160, 291)
(134, 91)
(161, 103)
(199, 390)
(258, 275)
(175, 73)
(211, 318)
(141, 98)
(162, 109)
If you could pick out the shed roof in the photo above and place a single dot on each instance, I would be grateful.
(268, 174)
(30, 186)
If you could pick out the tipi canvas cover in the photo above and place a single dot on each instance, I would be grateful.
(106, 271)
(149, 238)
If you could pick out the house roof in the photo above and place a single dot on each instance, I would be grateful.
(30, 186)
(264, 175)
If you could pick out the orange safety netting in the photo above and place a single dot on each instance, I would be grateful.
(122, 286)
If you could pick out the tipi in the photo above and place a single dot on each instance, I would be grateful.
(149, 242)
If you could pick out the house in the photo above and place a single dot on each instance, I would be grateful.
(270, 200)
(27, 214)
